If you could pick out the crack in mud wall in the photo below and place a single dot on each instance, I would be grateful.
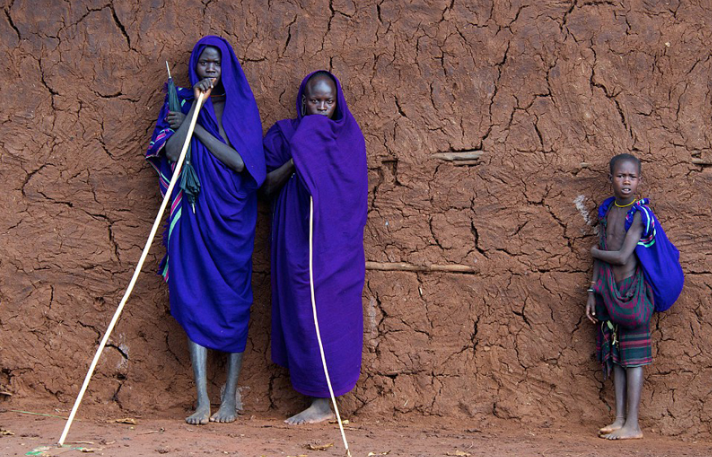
(489, 126)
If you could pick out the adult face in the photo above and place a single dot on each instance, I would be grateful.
(209, 64)
(320, 96)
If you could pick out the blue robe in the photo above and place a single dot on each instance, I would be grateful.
(330, 160)
(208, 265)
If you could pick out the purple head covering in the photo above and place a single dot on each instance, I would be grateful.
(330, 160)
(341, 107)
(241, 119)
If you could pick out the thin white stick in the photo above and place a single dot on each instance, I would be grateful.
(316, 322)
(147, 247)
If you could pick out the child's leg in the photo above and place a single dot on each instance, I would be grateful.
(631, 428)
(228, 405)
(199, 358)
(619, 382)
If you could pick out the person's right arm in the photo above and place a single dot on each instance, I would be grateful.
(277, 178)
(623, 255)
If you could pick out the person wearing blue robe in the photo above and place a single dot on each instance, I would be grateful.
(319, 156)
(208, 265)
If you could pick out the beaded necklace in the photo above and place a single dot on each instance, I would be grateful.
(624, 206)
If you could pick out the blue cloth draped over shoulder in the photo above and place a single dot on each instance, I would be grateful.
(330, 160)
(658, 256)
(208, 265)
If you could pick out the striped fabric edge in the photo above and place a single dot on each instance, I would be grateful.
(649, 227)
(161, 135)
(174, 215)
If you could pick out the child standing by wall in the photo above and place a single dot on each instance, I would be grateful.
(620, 300)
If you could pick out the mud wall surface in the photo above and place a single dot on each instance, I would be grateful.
(536, 95)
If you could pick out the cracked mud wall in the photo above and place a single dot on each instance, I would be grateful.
(545, 91)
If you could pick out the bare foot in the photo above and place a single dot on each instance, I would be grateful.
(319, 411)
(616, 425)
(199, 417)
(226, 413)
(625, 433)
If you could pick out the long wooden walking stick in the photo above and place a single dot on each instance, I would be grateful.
(147, 247)
(316, 324)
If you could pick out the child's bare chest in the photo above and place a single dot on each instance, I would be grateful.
(219, 107)
(615, 229)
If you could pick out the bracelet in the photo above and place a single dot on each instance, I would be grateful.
(590, 289)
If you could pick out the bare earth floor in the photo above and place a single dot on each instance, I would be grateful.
(251, 436)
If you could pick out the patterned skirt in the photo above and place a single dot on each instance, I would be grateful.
(626, 347)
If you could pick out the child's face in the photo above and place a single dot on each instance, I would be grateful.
(320, 97)
(209, 64)
(625, 179)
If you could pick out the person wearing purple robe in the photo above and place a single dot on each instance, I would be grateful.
(209, 243)
(321, 154)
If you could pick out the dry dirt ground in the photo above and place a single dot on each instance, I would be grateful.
(252, 436)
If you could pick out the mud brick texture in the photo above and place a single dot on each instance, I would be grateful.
(544, 92)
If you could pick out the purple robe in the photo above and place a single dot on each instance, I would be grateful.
(330, 160)
(209, 251)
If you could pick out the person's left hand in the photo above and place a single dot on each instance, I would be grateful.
(175, 119)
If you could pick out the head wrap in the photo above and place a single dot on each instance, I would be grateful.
(240, 119)
(330, 160)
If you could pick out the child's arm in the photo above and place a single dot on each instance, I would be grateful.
(276, 178)
(591, 302)
(223, 152)
(226, 154)
(621, 257)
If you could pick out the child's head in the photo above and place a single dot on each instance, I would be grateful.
(209, 64)
(320, 95)
(625, 175)
(623, 158)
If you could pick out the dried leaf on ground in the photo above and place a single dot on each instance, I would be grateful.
(378, 453)
(4, 432)
(459, 453)
(319, 447)
(125, 420)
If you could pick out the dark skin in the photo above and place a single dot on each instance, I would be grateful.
(319, 98)
(209, 72)
(621, 256)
